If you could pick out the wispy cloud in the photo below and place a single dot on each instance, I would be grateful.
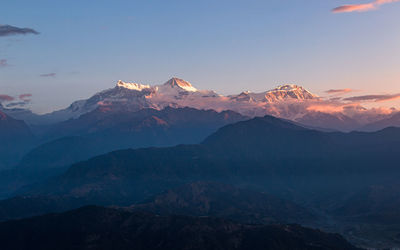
(21, 101)
(338, 91)
(48, 75)
(3, 63)
(25, 96)
(8, 30)
(373, 98)
(362, 7)
(17, 104)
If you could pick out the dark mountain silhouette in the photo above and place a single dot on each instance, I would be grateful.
(336, 121)
(117, 121)
(104, 228)
(377, 204)
(28, 206)
(392, 121)
(102, 131)
(371, 216)
(225, 201)
(318, 170)
(268, 153)
(15, 138)
(193, 199)
(98, 132)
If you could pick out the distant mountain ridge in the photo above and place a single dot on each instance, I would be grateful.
(99, 132)
(287, 101)
(265, 147)
(177, 93)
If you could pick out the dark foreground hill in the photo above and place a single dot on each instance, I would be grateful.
(315, 169)
(103, 228)
(225, 201)
(194, 199)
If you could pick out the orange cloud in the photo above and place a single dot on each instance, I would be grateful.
(362, 7)
(354, 8)
(325, 108)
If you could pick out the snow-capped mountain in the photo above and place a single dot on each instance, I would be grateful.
(280, 93)
(287, 101)
(179, 93)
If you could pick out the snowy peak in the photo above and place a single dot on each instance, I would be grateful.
(179, 83)
(289, 91)
(132, 86)
(176, 92)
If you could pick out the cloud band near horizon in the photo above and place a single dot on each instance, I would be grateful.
(373, 98)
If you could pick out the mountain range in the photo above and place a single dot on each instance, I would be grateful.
(286, 165)
(172, 150)
(287, 101)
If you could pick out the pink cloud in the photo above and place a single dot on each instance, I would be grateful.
(354, 8)
(25, 96)
(362, 7)
(338, 91)
(6, 98)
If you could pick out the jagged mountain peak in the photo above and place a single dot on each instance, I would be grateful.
(289, 91)
(288, 87)
(132, 86)
(179, 83)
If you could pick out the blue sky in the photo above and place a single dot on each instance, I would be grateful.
(227, 46)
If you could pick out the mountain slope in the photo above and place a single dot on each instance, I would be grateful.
(335, 121)
(225, 201)
(102, 228)
(99, 132)
(193, 199)
(273, 153)
(15, 138)
(392, 121)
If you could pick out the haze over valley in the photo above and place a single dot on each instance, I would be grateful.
(234, 125)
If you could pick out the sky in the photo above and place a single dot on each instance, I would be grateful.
(56, 52)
